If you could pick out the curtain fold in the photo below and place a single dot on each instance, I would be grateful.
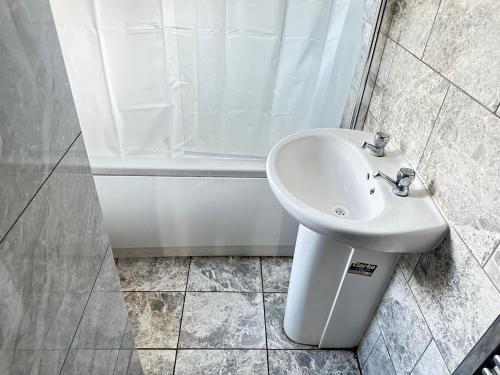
(171, 78)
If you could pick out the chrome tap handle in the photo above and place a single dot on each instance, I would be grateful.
(381, 139)
(401, 185)
(405, 177)
(378, 147)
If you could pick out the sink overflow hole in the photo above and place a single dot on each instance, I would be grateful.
(340, 211)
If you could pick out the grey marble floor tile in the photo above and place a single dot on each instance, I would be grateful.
(276, 273)
(157, 362)
(90, 362)
(155, 318)
(379, 362)
(312, 362)
(402, 324)
(147, 362)
(466, 140)
(407, 92)
(223, 362)
(153, 274)
(233, 274)
(431, 362)
(275, 311)
(457, 299)
(32, 362)
(463, 42)
(412, 23)
(492, 268)
(223, 320)
(69, 313)
(368, 341)
(103, 322)
(108, 280)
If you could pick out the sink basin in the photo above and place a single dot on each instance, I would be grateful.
(352, 230)
(320, 177)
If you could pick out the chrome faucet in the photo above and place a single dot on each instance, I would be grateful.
(380, 141)
(403, 181)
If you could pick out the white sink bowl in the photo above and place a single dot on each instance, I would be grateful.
(352, 230)
(320, 178)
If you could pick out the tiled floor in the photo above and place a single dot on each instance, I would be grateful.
(215, 315)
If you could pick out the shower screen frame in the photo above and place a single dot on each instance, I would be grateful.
(372, 65)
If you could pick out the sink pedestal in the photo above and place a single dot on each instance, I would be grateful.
(328, 303)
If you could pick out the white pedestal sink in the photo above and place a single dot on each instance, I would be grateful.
(352, 230)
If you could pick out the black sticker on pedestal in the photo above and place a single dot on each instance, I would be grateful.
(364, 269)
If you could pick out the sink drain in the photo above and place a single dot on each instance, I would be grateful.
(340, 211)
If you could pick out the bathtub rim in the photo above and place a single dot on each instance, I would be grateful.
(180, 167)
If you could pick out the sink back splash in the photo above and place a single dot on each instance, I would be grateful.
(437, 94)
(56, 267)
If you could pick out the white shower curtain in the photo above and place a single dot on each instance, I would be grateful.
(211, 77)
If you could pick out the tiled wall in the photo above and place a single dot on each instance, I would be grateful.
(60, 297)
(438, 93)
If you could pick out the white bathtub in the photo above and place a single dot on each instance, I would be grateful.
(155, 207)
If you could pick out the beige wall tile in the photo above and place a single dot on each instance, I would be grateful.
(465, 47)
(412, 23)
(406, 100)
(461, 163)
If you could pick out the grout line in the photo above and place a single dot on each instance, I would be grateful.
(473, 256)
(415, 299)
(447, 79)
(373, 347)
(491, 281)
(419, 358)
(39, 188)
(432, 29)
(64, 294)
(491, 255)
(83, 313)
(388, 351)
(198, 291)
(313, 349)
(182, 314)
(415, 268)
(433, 127)
(264, 308)
(423, 316)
